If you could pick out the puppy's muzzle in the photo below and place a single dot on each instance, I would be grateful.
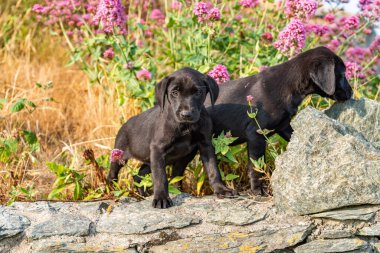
(188, 116)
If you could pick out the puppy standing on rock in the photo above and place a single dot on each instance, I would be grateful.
(171, 133)
(276, 93)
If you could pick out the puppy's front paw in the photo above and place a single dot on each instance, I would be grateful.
(222, 191)
(162, 202)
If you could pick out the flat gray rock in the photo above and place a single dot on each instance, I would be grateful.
(54, 245)
(234, 215)
(336, 233)
(266, 238)
(329, 164)
(362, 115)
(131, 220)
(62, 224)
(335, 245)
(373, 230)
(364, 213)
(11, 224)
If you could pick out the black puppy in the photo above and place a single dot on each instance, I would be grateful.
(171, 133)
(277, 92)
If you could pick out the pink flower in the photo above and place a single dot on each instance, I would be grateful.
(205, 12)
(262, 68)
(249, 99)
(350, 23)
(144, 74)
(220, 74)
(117, 156)
(367, 31)
(329, 17)
(333, 45)
(371, 10)
(128, 65)
(302, 9)
(238, 17)
(109, 53)
(249, 3)
(214, 14)
(363, 3)
(375, 45)
(292, 37)
(112, 15)
(318, 30)
(267, 36)
(176, 5)
(353, 70)
(157, 14)
(38, 8)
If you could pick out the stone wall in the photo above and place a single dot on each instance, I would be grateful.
(207, 224)
(326, 199)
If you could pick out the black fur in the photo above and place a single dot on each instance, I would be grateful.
(277, 92)
(171, 133)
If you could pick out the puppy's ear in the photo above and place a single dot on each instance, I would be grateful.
(323, 75)
(212, 88)
(161, 91)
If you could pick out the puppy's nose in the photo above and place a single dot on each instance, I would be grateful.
(186, 114)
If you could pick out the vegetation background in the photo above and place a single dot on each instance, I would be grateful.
(72, 71)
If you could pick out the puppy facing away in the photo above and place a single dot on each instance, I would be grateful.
(171, 133)
(277, 92)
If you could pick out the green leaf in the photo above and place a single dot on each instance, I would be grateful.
(252, 115)
(53, 194)
(77, 191)
(174, 190)
(30, 137)
(200, 183)
(18, 105)
(2, 101)
(231, 177)
(176, 179)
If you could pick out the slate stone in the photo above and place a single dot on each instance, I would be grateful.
(335, 245)
(364, 213)
(135, 221)
(373, 230)
(11, 224)
(266, 239)
(329, 164)
(62, 224)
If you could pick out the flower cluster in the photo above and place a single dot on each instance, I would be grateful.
(157, 15)
(220, 74)
(249, 3)
(318, 30)
(112, 16)
(72, 13)
(144, 74)
(206, 12)
(292, 38)
(350, 23)
(371, 10)
(109, 53)
(176, 5)
(117, 156)
(302, 9)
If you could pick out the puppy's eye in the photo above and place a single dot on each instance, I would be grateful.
(174, 93)
(199, 93)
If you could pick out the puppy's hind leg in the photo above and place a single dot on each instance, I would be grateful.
(256, 148)
(143, 170)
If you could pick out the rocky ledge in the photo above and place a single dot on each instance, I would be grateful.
(326, 199)
(206, 224)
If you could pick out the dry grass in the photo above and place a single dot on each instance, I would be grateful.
(71, 115)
